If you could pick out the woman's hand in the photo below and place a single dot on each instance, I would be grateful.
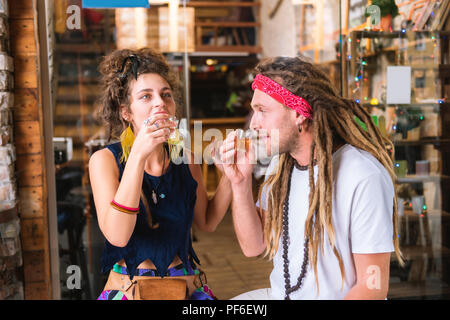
(154, 131)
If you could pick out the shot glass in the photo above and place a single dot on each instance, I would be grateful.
(175, 141)
(174, 137)
(243, 140)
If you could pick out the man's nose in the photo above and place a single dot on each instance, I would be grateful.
(254, 123)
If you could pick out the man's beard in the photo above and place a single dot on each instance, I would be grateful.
(288, 142)
(277, 145)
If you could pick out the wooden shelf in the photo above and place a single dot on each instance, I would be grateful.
(232, 35)
(76, 99)
(394, 34)
(73, 121)
(417, 252)
(444, 67)
(209, 48)
(410, 105)
(228, 24)
(68, 59)
(412, 178)
(421, 141)
(219, 120)
(80, 48)
(418, 290)
(431, 214)
(222, 4)
(75, 79)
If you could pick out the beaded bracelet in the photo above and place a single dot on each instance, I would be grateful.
(124, 209)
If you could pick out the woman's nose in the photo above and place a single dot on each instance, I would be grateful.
(158, 101)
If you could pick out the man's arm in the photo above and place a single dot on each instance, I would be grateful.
(238, 167)
(372, 277)
(248, 224)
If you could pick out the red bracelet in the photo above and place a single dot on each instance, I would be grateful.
(124, 208)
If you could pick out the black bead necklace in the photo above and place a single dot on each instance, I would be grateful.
(286, 241)
(303, 168)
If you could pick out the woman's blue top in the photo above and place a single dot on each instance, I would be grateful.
(174, 212)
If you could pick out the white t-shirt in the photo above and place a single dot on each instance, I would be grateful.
(362, 219)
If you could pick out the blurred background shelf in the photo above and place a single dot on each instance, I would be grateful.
(419, 131)
(430, 289)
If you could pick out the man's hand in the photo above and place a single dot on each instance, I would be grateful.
(238, 163)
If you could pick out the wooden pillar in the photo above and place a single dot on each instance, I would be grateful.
(29, 139)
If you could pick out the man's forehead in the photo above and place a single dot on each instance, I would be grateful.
(260, 98)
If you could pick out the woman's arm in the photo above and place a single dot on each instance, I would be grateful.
(116, 226)
(209, 213)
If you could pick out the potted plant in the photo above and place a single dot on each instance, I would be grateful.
(388, 11)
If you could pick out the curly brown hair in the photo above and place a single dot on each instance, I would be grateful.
(116, 90)
(333, 123)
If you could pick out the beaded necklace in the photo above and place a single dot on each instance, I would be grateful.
(303, 168)
(286, 242)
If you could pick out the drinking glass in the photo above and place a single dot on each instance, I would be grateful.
(175, 140)
(244, 139)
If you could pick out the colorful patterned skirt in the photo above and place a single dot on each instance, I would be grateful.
(202, 293)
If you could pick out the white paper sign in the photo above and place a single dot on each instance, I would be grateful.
(398, 85)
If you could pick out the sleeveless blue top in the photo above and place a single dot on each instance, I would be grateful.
(174, 213)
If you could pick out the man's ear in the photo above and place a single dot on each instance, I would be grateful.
(300, 119)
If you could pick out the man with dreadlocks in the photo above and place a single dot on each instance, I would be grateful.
(327, 211)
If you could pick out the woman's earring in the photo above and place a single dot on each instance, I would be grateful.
(126, 140)
(299, 128)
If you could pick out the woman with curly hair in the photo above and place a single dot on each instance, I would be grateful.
(145, 202)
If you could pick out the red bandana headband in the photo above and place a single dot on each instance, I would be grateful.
(282, 95)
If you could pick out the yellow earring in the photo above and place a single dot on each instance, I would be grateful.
(126, 140)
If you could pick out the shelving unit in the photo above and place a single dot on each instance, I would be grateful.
(419, 132)
(227, 26)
